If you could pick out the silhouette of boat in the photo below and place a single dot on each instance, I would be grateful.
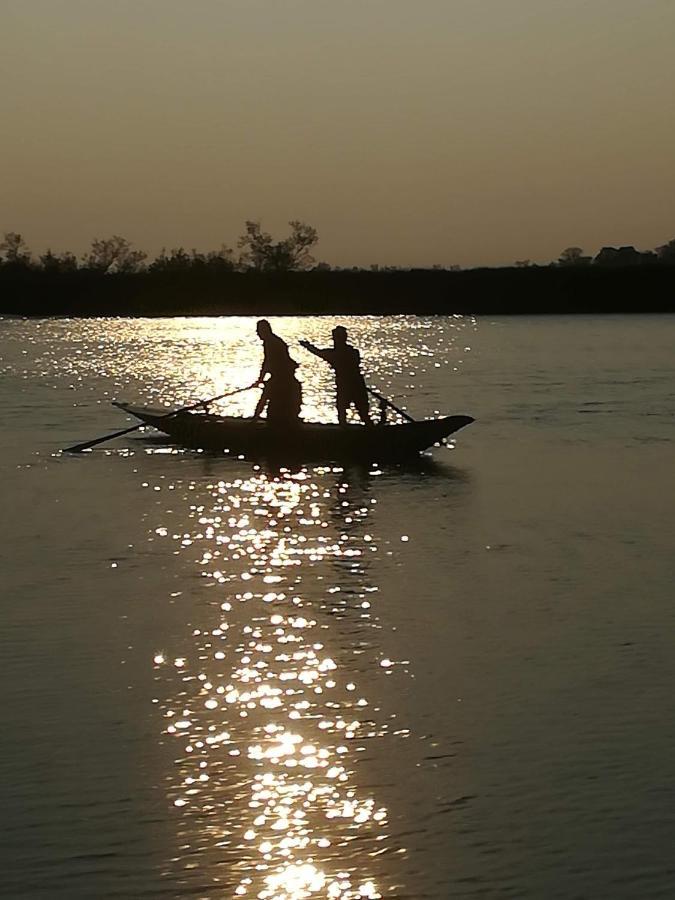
(257, 438)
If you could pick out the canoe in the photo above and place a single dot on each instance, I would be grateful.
(255, 438)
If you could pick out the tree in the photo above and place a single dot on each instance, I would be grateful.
(219, 260)
(114, 254)
(666, 253)
(14, 249)
(180, 260)
(523, 264)
(571, 256)
(176, 260)
(261, 253)
(58, 262)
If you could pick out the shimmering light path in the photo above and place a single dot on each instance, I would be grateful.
(268, 700)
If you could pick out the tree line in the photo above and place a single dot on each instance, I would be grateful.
(267, 276)
(257, 251)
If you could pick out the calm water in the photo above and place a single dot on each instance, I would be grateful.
(453, 680)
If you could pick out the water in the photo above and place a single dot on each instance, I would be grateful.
(450, 680)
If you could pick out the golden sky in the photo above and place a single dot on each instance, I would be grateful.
(408, 132)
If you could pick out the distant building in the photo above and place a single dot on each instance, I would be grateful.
(623, 256)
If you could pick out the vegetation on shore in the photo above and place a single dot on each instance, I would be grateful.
(282, 277)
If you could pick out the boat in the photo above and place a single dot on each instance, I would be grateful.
(256, 438)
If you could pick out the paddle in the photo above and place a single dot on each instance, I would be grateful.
(382, 399)
(401, 412)
(310, 347)
(78, 448)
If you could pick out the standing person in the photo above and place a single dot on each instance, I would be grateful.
(349, 384)
(282, 392)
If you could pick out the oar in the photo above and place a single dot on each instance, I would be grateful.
(382, 399)
(310, 347)
(443, 441)
(78, 448)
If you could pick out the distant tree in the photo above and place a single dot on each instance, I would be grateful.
(261, 253)
(220, 260)
(180, 260)
(114, 254)
(523, 264)
(14, 250)
(256, 247)
(572, 256)
(175, 260)
(58, 262)
(666, 253)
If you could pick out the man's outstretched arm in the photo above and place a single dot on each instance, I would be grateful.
(326, 355)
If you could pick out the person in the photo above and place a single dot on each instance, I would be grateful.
(349, 384)
(282, 392)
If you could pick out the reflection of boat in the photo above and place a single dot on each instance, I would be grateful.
(307, 440)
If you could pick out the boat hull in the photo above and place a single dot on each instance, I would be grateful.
(255, 438)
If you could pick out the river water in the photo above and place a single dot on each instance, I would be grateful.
(449, 680)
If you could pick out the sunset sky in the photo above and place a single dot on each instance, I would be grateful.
(408, 132)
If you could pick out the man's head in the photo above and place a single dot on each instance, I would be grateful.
(339, 335)
(264, 329)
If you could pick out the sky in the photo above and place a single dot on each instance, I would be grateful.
(408, 132)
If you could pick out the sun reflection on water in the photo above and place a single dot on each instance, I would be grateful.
(176, 361)
(267, 704)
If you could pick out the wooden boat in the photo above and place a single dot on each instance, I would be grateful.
(255, 438)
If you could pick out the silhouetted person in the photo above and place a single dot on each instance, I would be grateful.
(282, 392)
(349, 383)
